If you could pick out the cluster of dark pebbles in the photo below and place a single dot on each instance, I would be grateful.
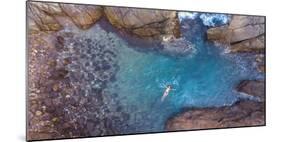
(74, 93)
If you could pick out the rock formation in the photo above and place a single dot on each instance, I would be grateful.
(252, 87)
(243, 34)
(43, 16)
(40, 20)
(242, 113)
(84, 16)
(144, 23)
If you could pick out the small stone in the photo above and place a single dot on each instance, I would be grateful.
(33, 102)
(67, 96)
(33, 95)
(44, 108)
(52, 63)
(66, 61)
(38, 113)
(55, 119)
(37, 91)
(56, 87)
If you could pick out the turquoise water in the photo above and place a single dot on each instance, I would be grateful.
(204, 78)
(133, 78)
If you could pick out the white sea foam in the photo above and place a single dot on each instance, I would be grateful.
(212, 19)
(208, 19)
(187, 15)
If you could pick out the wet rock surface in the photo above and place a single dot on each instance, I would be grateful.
(40, 20)
(69, 72)
(242, 113)
(243, 34)
(68, 75)
(44, 16)
(84, 16)
(144, 22)
(253, 87)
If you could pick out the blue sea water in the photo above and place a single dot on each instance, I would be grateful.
(206, 77)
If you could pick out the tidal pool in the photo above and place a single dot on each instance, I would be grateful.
(205, 77)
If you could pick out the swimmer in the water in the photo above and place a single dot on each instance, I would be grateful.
(166, 93)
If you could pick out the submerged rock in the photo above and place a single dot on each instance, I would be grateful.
(178, 46)
(144, 22)
(242, 113)
(260, 60)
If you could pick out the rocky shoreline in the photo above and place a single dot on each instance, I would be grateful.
(143, 23)
(56, 60)
(245, 112)
(244, 34)
(58, 106)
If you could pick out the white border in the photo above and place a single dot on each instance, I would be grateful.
(12, 76)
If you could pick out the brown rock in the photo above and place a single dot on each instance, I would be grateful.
(260, 61)
(247, 32)
(38, 113)
(33, 135)
(144, 22)
(59, 74)
(244, 34)
(43, 15)
(218, 34)
(251, 45)
(243, 113)
(253, 87)
(242, 21)
(84, 16)
(56, 87)
(39, 19)
(261, 68)
(49, 8)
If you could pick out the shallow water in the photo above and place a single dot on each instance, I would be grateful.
(205, 77)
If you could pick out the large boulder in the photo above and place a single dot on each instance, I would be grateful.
(43, 16)
(254, 88)
(243, 34)
(242, 113)
(245, 27)
(251, 45)
(84, 16)
(40, 20)
(144, 22)
(49, 8)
